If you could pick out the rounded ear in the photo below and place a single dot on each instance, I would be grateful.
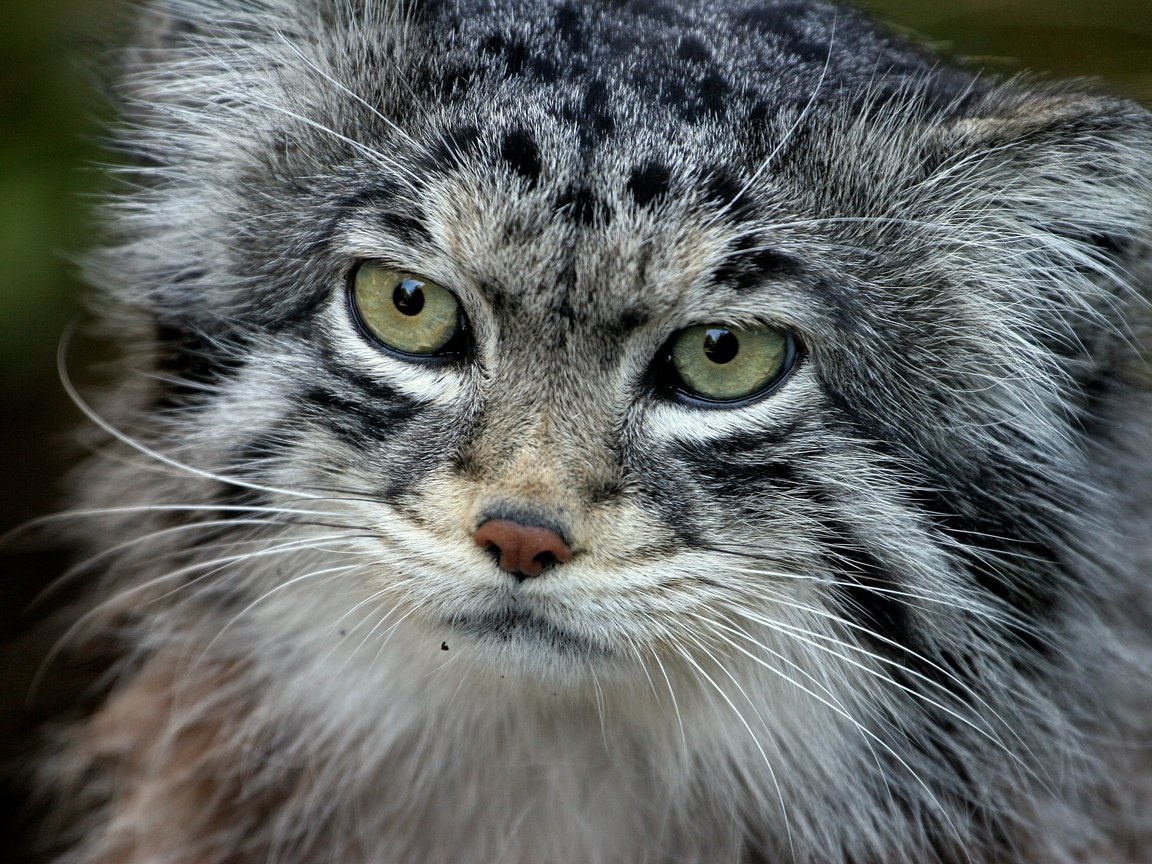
(1061, 180)
(1080, 163)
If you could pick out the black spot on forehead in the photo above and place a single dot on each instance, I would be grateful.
(712, 92)
(454, 148)
(519, 151)
(648, 182)
(693, 50)
(582, 205)
(521, 60)
(455, 81)
(596, 114)
(568, 25)
(721, 188)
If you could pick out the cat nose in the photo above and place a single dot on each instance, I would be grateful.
(524, 550)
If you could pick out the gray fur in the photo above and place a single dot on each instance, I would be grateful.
(893, 612)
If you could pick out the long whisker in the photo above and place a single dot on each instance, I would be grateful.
(92, 415)
(87, 564)
(210, 567)
(283, 586)
(814, 640)
(688, 658)
(810, 638)
(888, 748)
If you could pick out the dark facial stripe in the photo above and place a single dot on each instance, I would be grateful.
(864, 594)
(1021, 573)
(192, 364)
(372, 389)
(747, 264)
(407, 227)
(356, 420)
(994, 514)
(248, 462)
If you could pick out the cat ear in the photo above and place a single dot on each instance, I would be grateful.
(1058, 184)
(168, 24)
(1077, 164)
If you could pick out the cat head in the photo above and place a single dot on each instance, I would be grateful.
(750, 329)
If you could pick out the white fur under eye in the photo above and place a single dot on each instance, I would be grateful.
(668, 420)
(426, 382)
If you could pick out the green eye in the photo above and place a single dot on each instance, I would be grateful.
(406, 313)
(727, 364)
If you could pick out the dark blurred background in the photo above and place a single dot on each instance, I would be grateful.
(53, 62)
(53, 54)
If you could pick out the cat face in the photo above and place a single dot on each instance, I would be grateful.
(887, 459)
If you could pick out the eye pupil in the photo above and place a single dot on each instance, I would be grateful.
(720, 345)
(727, 365)
(405, 313)
(408, 297)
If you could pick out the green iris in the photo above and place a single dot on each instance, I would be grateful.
(727, 364)
(405, 312)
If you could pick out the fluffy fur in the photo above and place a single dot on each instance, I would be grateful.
(894, 612)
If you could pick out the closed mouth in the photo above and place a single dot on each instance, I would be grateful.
(519, 625)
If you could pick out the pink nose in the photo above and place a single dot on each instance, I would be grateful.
(525, 550)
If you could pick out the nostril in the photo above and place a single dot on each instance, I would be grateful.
(523, 550)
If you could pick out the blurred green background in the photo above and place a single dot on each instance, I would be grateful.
(50, 104)
(51, 109)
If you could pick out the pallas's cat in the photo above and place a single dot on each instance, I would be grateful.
(613, 432)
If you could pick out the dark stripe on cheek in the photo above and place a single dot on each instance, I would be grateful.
(249, 462)
(192, 365)
(354, 420)
(373, 389)
(983, 511)
(1022, 574)
(863, 589)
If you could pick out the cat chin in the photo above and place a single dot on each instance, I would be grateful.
(527, 632)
